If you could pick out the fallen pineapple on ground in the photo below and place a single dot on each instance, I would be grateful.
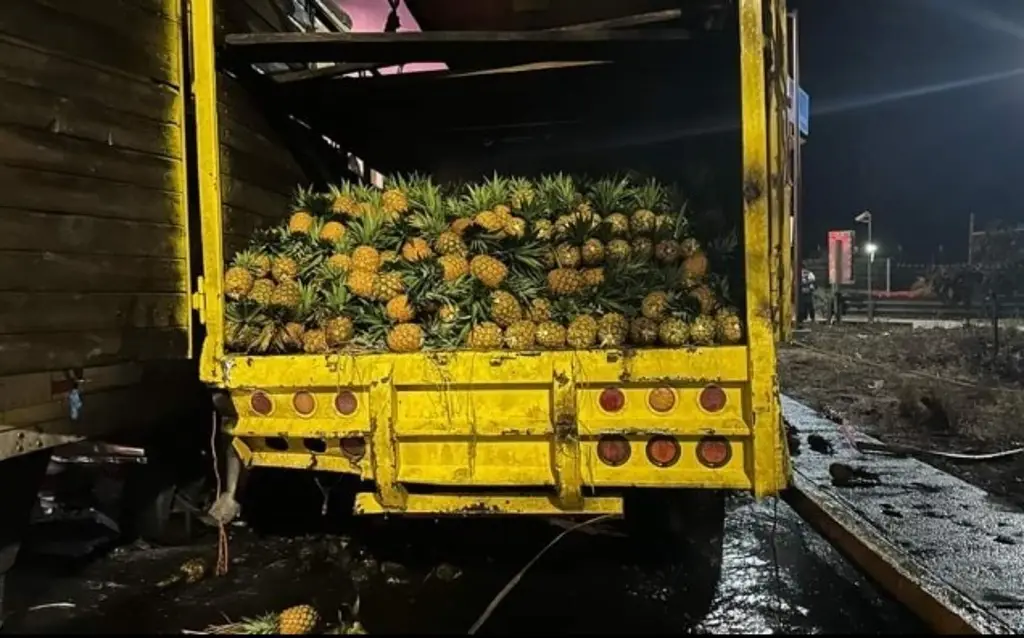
(509, 263)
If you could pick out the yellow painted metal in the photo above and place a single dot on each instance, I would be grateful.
(786, 312)
(208, 298)
(765, 416)
(467, 504)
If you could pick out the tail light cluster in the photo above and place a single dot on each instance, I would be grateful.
(711, 399)
(303, 403)
(665, 451)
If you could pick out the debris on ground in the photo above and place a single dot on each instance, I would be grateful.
(844, 475)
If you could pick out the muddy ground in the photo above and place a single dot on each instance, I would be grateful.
(938, 389)
(428, 576)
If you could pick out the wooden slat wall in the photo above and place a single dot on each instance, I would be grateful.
(258, 173)
(93, 211)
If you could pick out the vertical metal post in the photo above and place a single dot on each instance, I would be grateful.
(970, 240)
(888, 274)
(797, 164)
(871, 261)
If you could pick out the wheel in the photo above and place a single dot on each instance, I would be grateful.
(165, 502)
(680, 533)
(278, 501)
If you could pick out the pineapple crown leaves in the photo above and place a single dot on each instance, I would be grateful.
(610, 194)
(559, 193)
(650, 196)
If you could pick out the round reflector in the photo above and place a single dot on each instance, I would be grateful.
(714, 451)
(345, 403)
(353, 447)
(662, 399)
(304, 403)
(663, 451)
(260, 403)
(712, 398)
(612, 400)
(613, 450)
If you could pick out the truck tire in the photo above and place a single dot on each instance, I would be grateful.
(681, 533)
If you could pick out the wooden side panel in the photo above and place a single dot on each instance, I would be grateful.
(93, 204)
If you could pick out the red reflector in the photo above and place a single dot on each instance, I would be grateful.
(663, 451)
(353, 447)
(662, 399)
(613, 450)
(712, 398)
(345, 403)
(714, 451)
(304, 403)
(261, 403)
(612, 400)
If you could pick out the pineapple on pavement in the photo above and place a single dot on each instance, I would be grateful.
(298, 620)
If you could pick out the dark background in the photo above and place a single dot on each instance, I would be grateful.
(904, 123)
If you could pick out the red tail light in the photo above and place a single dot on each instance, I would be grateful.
(260, 403)
(612, 400)
(345, 403)
(613, 450)
(714, 451)
(712, 398)
(353, 447)
(304, 403)
(663, 451)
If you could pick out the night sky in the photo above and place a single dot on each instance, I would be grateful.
(920, 164)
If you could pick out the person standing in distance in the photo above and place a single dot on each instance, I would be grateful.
(807, 287)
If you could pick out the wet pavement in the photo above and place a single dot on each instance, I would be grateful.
(430, 576)
(956, 535)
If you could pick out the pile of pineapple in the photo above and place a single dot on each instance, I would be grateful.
(513, 263)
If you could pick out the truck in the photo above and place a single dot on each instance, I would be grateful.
(158, 156)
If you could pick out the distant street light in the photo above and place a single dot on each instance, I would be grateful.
(871, 248)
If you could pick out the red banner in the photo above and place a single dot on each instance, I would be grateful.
(840, 256)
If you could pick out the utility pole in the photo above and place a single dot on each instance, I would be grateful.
(970, 241)
(797, 168)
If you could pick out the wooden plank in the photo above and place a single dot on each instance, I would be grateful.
(44, 110)
(254, 170)
(406, 47)
(87, 348)
(24, 230)
(324, 72)
(123, 17)
(34, 312)
(37, 190)
(102, 411)
(239, 137)
(27, 148)
(70, 36)
(242, 194)
(241, 222)
(170, 9)
(53, 272)
(625, 22)
(30, 67)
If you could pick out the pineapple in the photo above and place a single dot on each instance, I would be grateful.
(689, 246)
(338, 328)
(238, 282)
(261, 264)
(488, 270)
(695, 266)
(673, 332)
(704, 298)
(362, 283)
(489, 221)
(387, 286)
(315, 342)
(453, 267)
(565, 281)
(521, 193)
(399, 309)
(284, 268)
(342, 201)
(340, 262)
(643, 331)
(485, 336)
(448, 313)
(647, 199)
(332, 232)
(729, 328)
(667, 251)
(450, 243)
(642, 248)
(540, 311)
(593, 277)
(568, 256)
(655, 305)
(261, 291)
(366, 258)
(394, 201)
(298, 620)
(592, 252)
(241, 326)
(609, 196)
(287, 294)
(459, 226)
(416, 249)
(300, 223)
(516, 227)
(617, 224)
(618, 250)
(550, 335)
(702, 330)
(367, 233)
(612, 330)
(582, 333)
(405, 337)
(388, 257)
(505, 310)
(521, 335)
(543, 229)
(481, 200)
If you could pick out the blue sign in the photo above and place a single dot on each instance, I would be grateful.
(803, 106)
